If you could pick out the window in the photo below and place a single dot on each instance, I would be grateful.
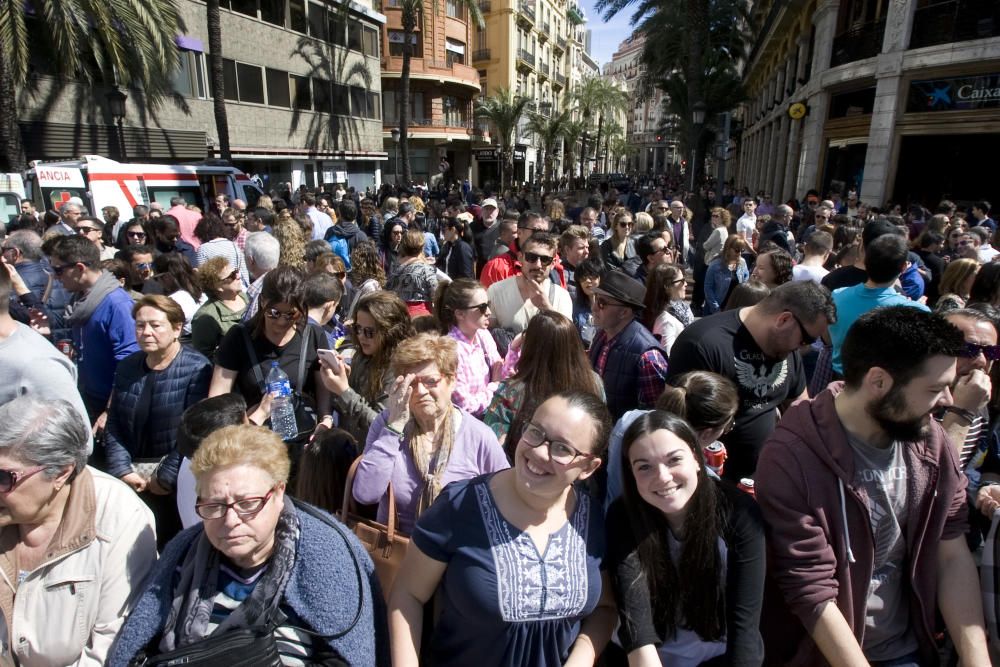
(374, 106)
(317, 22)
(278, 90)
(321, 95)
(340, 100)
(371, 42)
(190, 78)
(480, 38)
(354, 36)
(251, 83)
(359, 102)
(455, 10)
(300, 93)
(248, 7)
(396, 44)
(297, 15)
(230, 91)
(454, 52)
(454, 111)
(338, 29)
(273, 11)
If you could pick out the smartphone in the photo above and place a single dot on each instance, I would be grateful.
(331, 359)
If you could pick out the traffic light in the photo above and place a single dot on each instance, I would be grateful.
(659, 138)
(684, 163)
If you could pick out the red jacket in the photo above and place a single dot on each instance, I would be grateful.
(820, 545)
(506, 265)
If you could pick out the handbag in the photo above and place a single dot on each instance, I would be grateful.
(383, 542)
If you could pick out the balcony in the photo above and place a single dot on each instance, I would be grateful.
(526, 14)
(858, 44)
(525, 60)
(543, 34)
(955, 21)
(560, 43)
(559, 80)
(425, 69)
(543, 71)
(481, 54)
(575, 15)
(485, 7)
(454, 127)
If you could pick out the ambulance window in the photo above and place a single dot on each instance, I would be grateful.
(164, 195)
(10, 207)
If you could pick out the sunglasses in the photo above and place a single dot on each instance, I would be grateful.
(86, 230)
(601, 302)
(534, 257)
(136, 235)
(626, 224)
(973, 350)
(232, 276)
(59, 270)
(274, 314)
(807, 338)
(364, 332)
(9, 479)
(144, 266)
(481, 307)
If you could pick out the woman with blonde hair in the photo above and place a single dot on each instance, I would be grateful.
(643, 222)
(292, 240)
(725, 272)
(720, 232)
(956, 284)
(220, 282)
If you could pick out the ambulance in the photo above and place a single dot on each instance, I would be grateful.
(11, 193)
(100, 182)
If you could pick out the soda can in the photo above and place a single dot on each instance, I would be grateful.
(746, 485)
(715, 457)
(65, 346)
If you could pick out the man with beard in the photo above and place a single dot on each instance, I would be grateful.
(866, 507)
(515, 300)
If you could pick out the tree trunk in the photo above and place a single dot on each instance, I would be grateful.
(583, 156)
(218, 78)
(409, 23)
(597, 143)
(12, 157)
(697, 21)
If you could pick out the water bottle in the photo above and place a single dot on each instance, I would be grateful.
(588, 331)
(282, 411)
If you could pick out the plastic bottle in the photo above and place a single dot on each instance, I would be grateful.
(282, 411)
(588, 331)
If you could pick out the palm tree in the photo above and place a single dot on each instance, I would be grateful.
(549, 131)
(612, 132)
(412, 13)
(596, 96)
(112, 42)
(572, 134)
(504, 110)
(218, 77)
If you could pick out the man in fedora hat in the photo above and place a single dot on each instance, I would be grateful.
(624, 353)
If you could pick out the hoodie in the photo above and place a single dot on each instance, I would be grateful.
(349, 231)
(821, 547)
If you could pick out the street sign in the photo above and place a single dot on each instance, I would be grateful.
(485, 154)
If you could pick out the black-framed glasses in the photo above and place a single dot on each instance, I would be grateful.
(560, 452)
(275, 314)
(244, 507)
(364, 332)
(86, 230)
(534, 257)
(973, 350)
(9, 479)
(136, 235)
(59, 270)
(481, 307)
(807, 338)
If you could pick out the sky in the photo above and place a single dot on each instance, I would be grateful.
(606, 36)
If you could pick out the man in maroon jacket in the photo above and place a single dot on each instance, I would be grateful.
(866, 508)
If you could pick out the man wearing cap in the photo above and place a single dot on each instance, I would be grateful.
(93, 230)
(515, 300)
(624, 353)
(484, 231)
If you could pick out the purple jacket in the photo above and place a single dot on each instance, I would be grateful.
(387, 459)
(817, 520)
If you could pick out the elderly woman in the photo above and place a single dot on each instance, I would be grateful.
(422, 442)
(256, 561)
(75, 542)
(517, 555)
(152, 390)
(220, 282)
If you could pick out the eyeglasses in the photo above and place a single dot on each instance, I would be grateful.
(274, 314)
(364, 332)
(59, 270)
(589, 280)
(560, 452)
(678, 281)
(481, 307)
(86, 230)
(245, 507)
(136, 235)
(232, 276)
(427, 382)
(144, 266)
(807, 338)
(626, 224)
(534, 257)
(973, 350)
(9, 479)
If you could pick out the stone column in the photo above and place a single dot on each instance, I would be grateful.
(791, 163)
(778, 179)
(812, 143)
(825, 20)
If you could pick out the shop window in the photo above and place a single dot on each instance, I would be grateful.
(190, 80)
(321, 95)
(297, 15)
(354, 36)
(340, 100)
(230, 90)
(300, 92)
(371, 42)
(317, 22)
(278, 90)
(251, 83)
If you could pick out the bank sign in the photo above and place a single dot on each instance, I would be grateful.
(965, 92)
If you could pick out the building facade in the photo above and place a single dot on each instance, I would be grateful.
(302, 88)
(443, 87)
(896, 99)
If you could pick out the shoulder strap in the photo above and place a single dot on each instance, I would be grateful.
(253, 359)
(306, 334)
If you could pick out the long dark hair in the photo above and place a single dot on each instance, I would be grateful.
(393, 325)
(174, 273)
(323, 467)
(450, 297)
(552, 359)
(281, 285)
(691, 591)
(659, 284)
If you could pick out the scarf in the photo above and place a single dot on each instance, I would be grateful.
(431, 465)
(80, 310)
(197, 586)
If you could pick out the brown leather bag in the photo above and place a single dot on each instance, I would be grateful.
(384, 543)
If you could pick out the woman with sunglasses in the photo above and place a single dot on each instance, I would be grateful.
(725, 272)
(422, 442)
(456, 257)
(133, 233)
(686, 553)
(392, 238)
(517, 555)
(216, 242)
(257, 559)
(76, 542)
(463, 313)
(220, 283)
(277, 333)
(618, 251)
(588, 277)
(665, 291)
(381, 323)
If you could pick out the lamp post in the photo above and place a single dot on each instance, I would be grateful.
(583, 157)
(395, 142)
(116, 105)
(697, 119)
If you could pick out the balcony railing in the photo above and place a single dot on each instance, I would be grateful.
(528, 10)
(546, 29)
(955, 21)
(455, 123)
(481, 54)
(561, 41)
(858, 44)
(561, 79)
(544, 67)
(529, 58)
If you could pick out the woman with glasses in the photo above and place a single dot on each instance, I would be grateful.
(381, 323)
(133, 233)
(257, 560)
(422, 442)
(665, 291)
(463, 313)
(725, 272)
(217, 242)
(76, 542)
(686, 553)
(220, 284)
(152, 389)
(277, 333)
(516, 555)
(618, 250)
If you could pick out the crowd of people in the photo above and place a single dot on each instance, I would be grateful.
(637, 428)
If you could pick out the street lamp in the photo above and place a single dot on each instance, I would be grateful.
(698, 119)
(395, 141)
(116, 105)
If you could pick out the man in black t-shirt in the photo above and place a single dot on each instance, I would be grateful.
(758, 349)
